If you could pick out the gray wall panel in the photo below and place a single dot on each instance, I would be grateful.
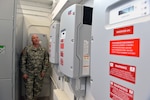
(6, 29)
(6, 9)
(5, 87)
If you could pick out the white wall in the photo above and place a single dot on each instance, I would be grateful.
(35, 18)
(35, 24)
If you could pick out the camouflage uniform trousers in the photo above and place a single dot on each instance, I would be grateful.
(33, 86)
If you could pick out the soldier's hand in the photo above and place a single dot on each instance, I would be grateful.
(42, 74)
(25, 76)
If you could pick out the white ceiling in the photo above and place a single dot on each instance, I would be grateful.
(46, 2)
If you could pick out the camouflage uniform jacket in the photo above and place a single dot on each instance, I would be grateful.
(34, 60)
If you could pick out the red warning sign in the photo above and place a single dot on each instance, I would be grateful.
(123, 31)
(122, 71)
(129, 47)
(118, 92)
(62, 45)
(61, 55)
(61, 61)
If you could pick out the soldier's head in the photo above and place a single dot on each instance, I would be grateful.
(35, 39)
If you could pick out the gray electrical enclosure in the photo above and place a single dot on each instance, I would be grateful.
(74, 41)
(54, 43)
(119, 50)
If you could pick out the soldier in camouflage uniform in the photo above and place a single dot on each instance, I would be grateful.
(34, 63)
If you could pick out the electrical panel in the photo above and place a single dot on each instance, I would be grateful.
(54, 43)
(74, 41)
(119, 50)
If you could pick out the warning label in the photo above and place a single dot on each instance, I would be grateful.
(129, 47)
(123, 31)
(61, 61)
(118, 92)
(61, 55)
(122, 71)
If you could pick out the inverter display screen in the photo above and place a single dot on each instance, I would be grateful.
(126, 10)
